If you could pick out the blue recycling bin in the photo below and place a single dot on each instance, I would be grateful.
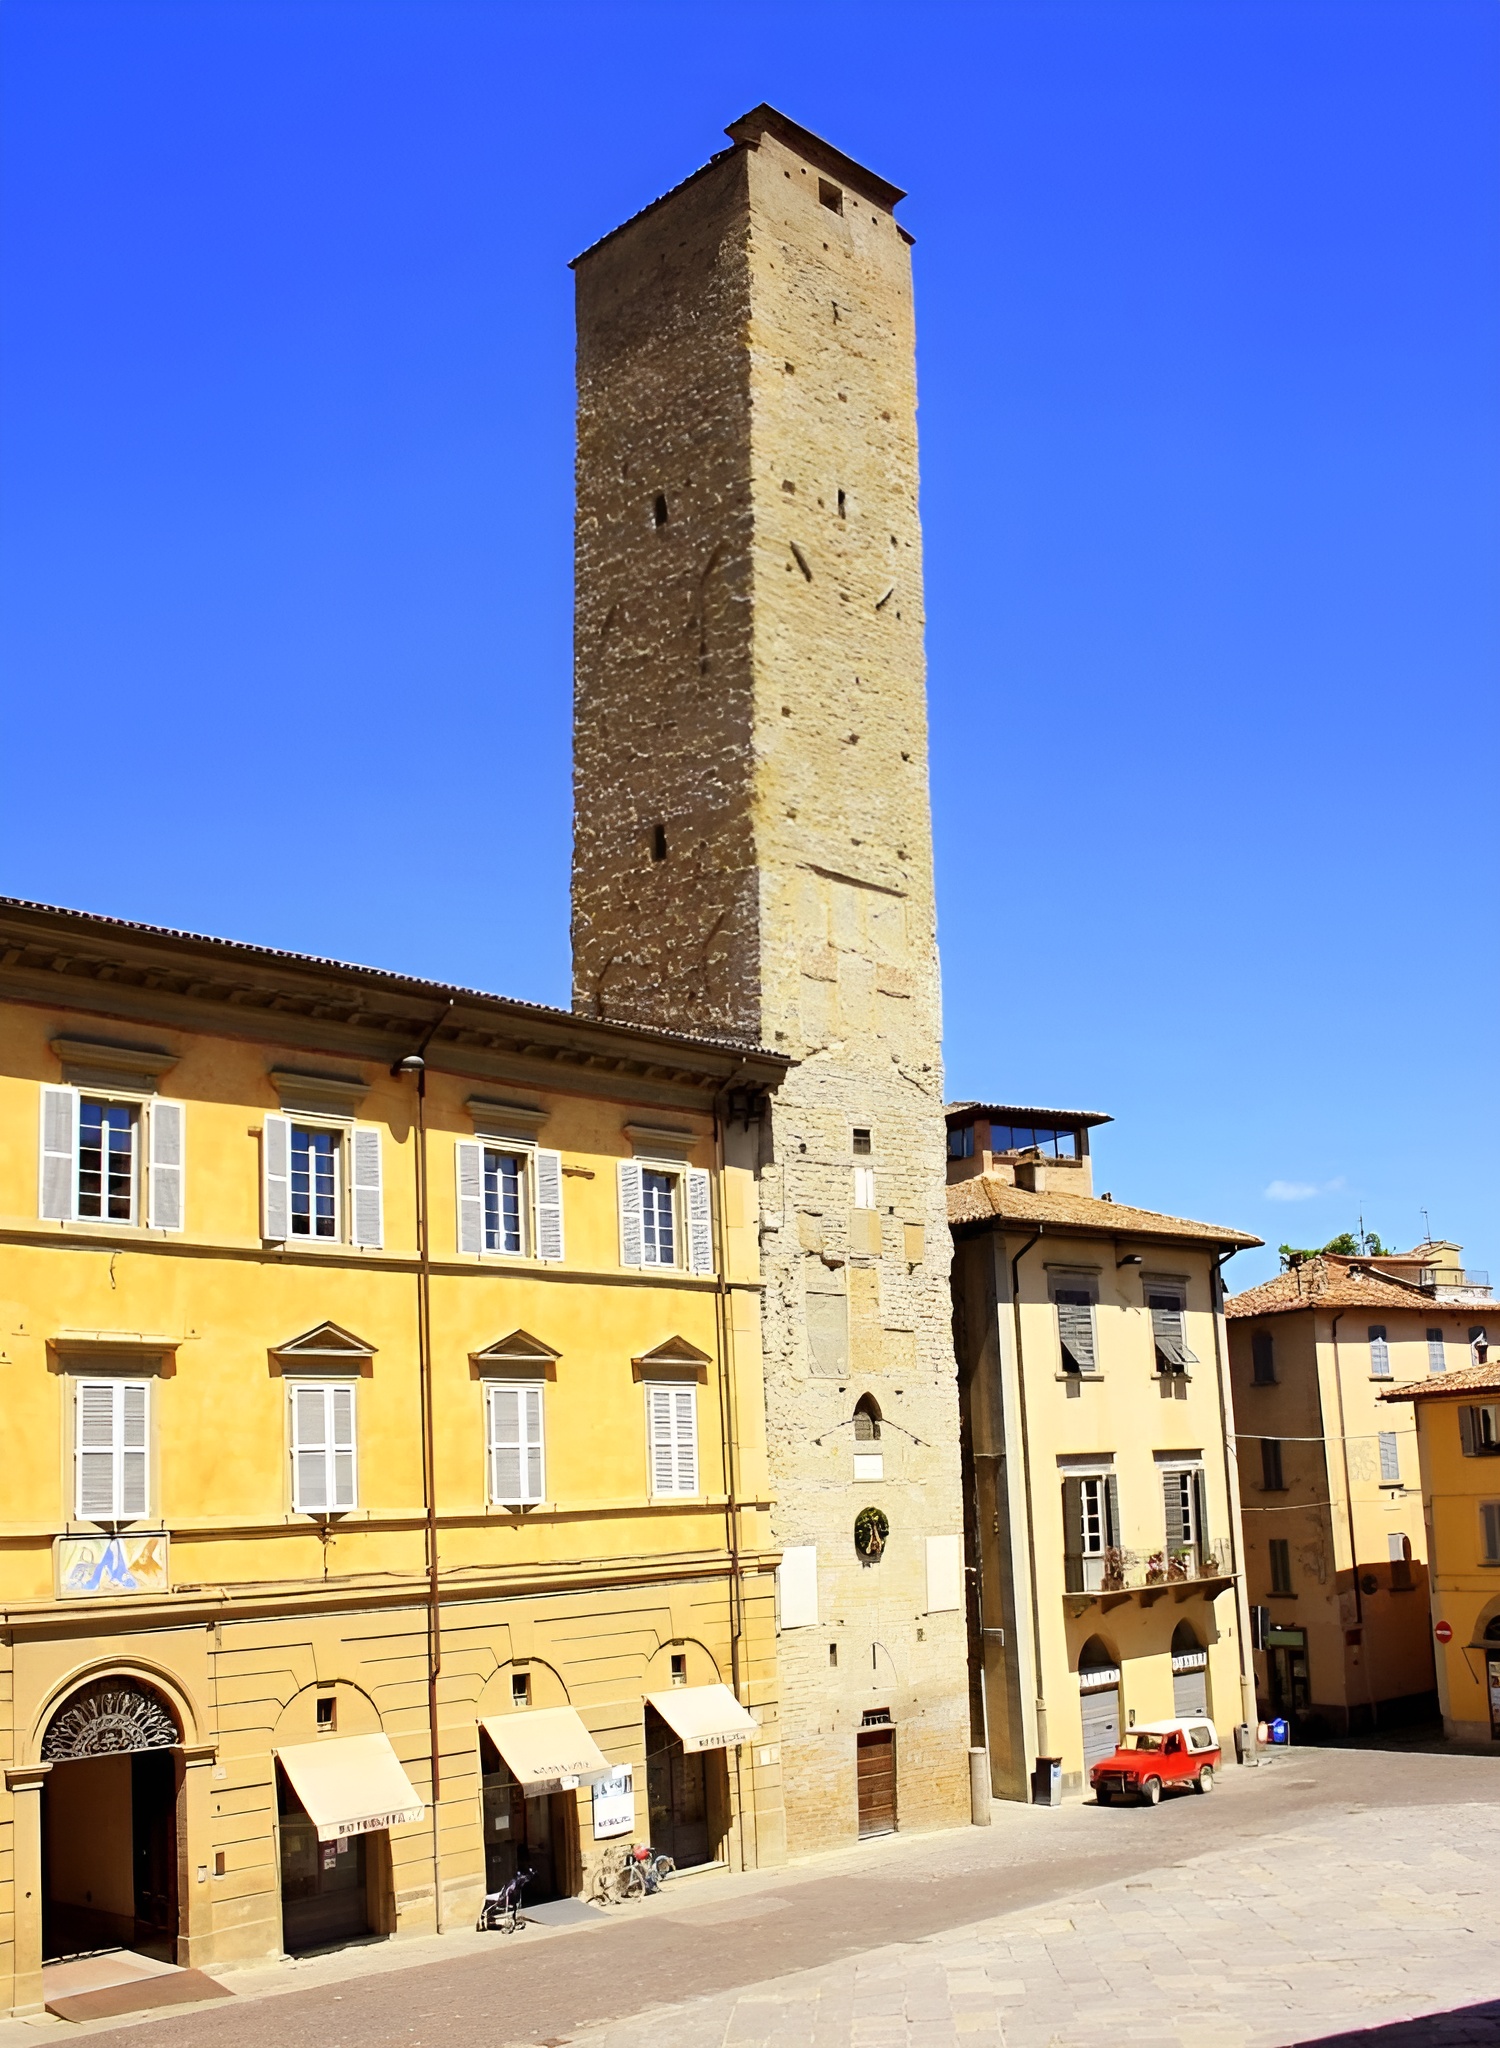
(1281, 1731)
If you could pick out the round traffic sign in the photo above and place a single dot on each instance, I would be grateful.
(1444, 1631)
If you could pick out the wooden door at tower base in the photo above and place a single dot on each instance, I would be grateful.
(875, 1772)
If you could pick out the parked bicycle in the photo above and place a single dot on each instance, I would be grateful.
(633, 1873)
(502, 1909)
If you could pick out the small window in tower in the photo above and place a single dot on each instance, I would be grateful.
(520, 1688)
(658, 842)
(659, 510)
(864, 1143)
(833, 1656)
(843, 506)
(830, 196)
(328, 1716)
(679, 1667)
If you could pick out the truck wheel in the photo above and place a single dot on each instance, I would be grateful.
(1102, 1798)
(1151, 1791)
(1205, 1781)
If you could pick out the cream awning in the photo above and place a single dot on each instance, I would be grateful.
(351, 1784)
(548, 1749)
(704, 1716)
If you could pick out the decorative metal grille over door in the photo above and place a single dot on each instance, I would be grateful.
(112, 1717)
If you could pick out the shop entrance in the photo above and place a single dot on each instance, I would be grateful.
(538, 1834)
(686, 1792)
(1286, 1668)
(1189, 1673)
(324, 1893)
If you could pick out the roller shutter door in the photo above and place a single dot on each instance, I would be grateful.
(1190, 1694)
(1101, 1725)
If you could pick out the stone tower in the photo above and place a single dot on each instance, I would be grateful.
(753, 856)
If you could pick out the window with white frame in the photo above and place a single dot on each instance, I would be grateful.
(110, 1159)
(672, 1435)
(321, 1182)
(111, 1450)
(1390, 1458)
(1073, 1300)
(516, 1457)
(325, 1468)
(1380, 1352)
(510, 1200)
(1091, 1528)
(666, 1216)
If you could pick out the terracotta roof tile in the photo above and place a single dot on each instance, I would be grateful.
(1474, 1379)
(1327, 1282)
(984, 1196)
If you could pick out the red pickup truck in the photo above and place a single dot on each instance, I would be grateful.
(1173, 1754)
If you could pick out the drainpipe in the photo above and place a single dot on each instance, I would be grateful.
(1248, 1711)
(1042, 1744)
(1359, 1605)
(415, 1063)
(728, 1435)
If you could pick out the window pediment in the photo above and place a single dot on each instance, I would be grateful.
(327, 1348)
(673, 1359)
(518, 1356)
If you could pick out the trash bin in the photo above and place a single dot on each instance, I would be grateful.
(1281, 1730)
(1244, 1745)
(1046, 1781)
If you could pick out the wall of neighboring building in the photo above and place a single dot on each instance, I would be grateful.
(1130, 1422)
(750, 676)
(1465, 1584)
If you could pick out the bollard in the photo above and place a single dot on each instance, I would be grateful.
(979, 1787)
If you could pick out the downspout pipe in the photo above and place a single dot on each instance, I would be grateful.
(1359, 1605)
(1042, 1738)
(1248, 1708)
(729, 1442)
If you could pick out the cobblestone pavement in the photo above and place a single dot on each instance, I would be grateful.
(1329, 1892)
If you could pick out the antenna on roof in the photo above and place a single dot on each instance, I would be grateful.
(1427, 1227)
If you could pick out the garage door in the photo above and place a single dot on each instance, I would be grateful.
(1189, 1694)
(1101, 1724)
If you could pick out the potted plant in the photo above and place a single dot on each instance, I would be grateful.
(1114, 1571)
(1156, 1567)
(1181, 1565)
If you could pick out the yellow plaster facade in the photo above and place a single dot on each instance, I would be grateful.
(176, 1352)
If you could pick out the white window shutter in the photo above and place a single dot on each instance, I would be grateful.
(531, 1431)
(549, 1205)
(344, 1491)
(468, 1161)
(310, 1450)
(164, 1186)
(276, 1179)
(1395, 1546)
(797, 1584)
(505, 1445)
(700, 1220)
(685, 1430)
(364, 1191)
(134, 1451)
(632, 1252)
(58, 1177)
(96, 1435)
(1390, 1456)
(659, 1424)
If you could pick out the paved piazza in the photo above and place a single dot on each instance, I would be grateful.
(1330, 1893)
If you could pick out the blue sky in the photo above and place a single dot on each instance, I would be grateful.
(1209, 342)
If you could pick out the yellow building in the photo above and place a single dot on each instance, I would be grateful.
(387, 1499)
(1104, 1509)
(1458, 1437)
(1335, 1546)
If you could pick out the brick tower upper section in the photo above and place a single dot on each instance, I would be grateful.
(752, 838)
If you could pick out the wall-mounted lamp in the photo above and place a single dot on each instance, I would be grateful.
(1130, 1259)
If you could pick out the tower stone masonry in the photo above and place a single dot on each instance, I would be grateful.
(753, 857)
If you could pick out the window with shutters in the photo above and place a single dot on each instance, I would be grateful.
(321, 1182)
(509, 1200)
(1073, 1302)
(1281, 1564)
(505, 1201)
(1092, 1559)
(316, 1157)
(1437, 1357)
(1390, 1458)
(1271, 1479)
(1479, 1431)
(1489, 1530)
(666, 1216)
(1263, 1358)
(1380, 1352)
(112, 1450)
(672, 1436)
(517, 1460)
(325, 1470)
(1184, 1514)
(108, 1159)
(1168, 1307)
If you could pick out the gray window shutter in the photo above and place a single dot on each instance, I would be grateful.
(505, 1444)
(1263, 1358)
(531, 1432)
(164, 1187)
(1380, 1352)
(1112, 1512)
(1490, 1519)
(1466, 1432)
(345, 1488)
(1270, 1464)
(276, 1179)
(1437, 1357)
(365, 1195)
(660, 1420)
(631, 1239)
(700, 1220)
(58, 1177)
(468, 1167)
(134, 1450)
(1176, 1518)
(96, 1435)
(1200, 1509)
(1072, 1507)
(1390, 1457)
(1075, 1329)
(310, 1494)
(549, 1206)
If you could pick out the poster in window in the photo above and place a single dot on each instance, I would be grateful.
(614, 1803)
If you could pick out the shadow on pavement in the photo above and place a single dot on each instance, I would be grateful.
(1462, 2028)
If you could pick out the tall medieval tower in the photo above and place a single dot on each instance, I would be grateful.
(753, 857)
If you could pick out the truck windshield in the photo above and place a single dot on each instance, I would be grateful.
(1145, 1741)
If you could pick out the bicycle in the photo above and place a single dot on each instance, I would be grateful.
(502, 1909)
(646, 1872)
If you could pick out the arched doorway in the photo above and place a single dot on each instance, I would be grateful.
(109, 1822)
(1099, 1696)
(1189, 1673)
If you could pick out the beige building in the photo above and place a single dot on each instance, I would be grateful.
(1335, 1543)
(1104, 1531)
(753, 855)
(387, 1498)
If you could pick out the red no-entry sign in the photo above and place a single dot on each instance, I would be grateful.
(1444, 1631)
